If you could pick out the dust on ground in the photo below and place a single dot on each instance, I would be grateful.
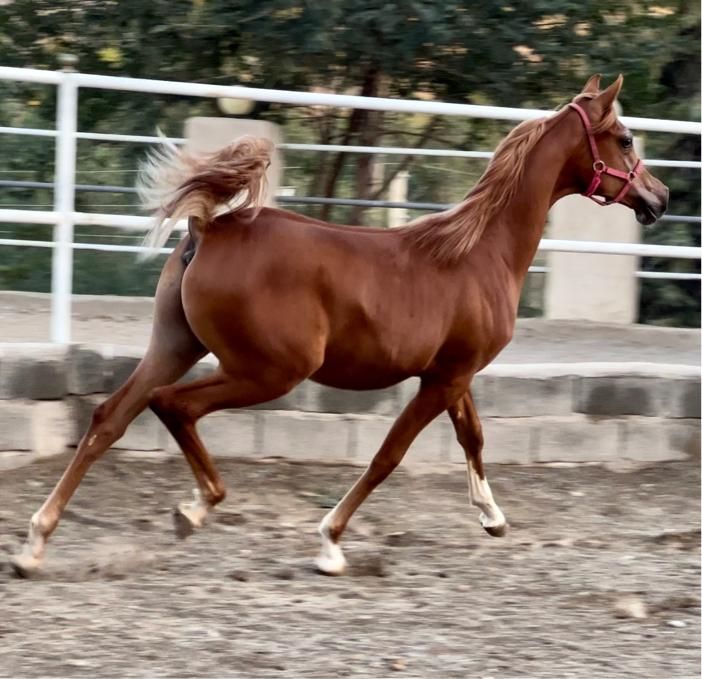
(25, 317)
(429, 594)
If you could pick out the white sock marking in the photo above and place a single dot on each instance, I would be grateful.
(331, 559)
(481, 497)
(32, 554)
(195, 511)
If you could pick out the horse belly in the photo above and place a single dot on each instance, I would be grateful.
(362, 378)
(363, 363)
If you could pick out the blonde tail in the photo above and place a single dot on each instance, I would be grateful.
(174, 183)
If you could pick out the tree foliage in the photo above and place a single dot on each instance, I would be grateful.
(515, 53)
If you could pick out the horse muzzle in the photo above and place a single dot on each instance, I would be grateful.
(651, 208)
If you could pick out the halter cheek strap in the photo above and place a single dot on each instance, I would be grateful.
(599, 167)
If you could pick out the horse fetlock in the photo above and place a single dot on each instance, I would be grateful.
(30, 557)
(331, 560)
(188, 516)
(328, 528)
(41, 525)
(216, 495)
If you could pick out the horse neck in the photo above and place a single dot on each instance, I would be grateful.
(519, 226)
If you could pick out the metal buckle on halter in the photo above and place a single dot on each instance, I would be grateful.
(599, 166)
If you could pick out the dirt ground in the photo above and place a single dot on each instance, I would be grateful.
(429, 594)
(25, 317)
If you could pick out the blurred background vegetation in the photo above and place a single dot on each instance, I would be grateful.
(532, 54)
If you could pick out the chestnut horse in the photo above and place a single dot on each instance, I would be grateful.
(278, 298)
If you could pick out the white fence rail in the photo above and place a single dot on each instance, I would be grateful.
(139, 224)
(63, 217)
(328, 148)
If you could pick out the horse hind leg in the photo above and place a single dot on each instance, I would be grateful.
(172, 351)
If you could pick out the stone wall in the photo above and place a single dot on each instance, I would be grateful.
(580, 412)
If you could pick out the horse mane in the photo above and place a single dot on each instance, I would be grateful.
(447, 236)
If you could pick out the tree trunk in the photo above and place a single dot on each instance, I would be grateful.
(355, 123)
(326, 125)
(366, 163)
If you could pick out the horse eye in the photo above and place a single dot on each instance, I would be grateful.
(626, 142)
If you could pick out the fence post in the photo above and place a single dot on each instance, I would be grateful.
(602, 288)
(397, 193)
(64, 206)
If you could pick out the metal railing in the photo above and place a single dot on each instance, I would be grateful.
(64, 217)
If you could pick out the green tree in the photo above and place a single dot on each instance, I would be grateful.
(506, 53)
(667, 302)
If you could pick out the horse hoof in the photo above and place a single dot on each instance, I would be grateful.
(331, 560)
(24, 566)
(327, 566)
(182, 525)
(496, 531)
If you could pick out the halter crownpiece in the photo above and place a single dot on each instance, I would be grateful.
(599, 167)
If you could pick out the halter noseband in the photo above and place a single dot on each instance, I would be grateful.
(599, 167)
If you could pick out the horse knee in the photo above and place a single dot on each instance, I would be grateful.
(165, 407)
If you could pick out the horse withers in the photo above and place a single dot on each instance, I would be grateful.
(278, 298)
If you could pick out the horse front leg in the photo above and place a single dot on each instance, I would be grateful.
(470, 435)
(180, 406)
(429, 402)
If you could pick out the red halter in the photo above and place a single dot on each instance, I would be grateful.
(599, 166)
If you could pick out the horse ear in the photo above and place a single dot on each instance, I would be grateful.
(592, 86)
(605, 100)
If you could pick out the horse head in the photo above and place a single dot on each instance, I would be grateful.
(605, 165)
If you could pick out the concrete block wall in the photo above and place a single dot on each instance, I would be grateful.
(585, 412)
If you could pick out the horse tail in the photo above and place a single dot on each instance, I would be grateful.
(175, 183)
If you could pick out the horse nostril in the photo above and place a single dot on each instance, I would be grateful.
(661, 207)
